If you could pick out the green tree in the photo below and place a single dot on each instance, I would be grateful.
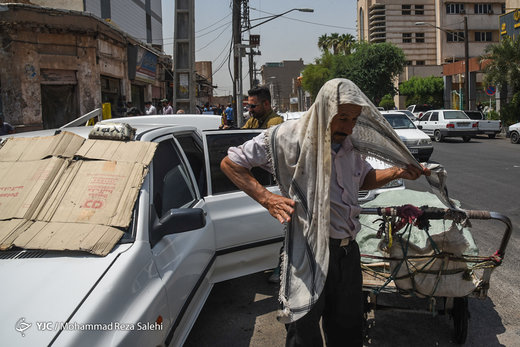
(503, 64)
(502, 68)
(323, 43)
(423, 90)
(387, 102)
(338, 43)
(373, 67)
(346, 43)
(315, 75)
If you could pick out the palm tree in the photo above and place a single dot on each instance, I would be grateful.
(503, 64)
(334, 41)
(323, 43)
(346, 43)
(338, 43)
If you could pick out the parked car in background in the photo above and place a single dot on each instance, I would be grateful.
(291, 115)
(419, 110)
(513, 132)
(485, 126)
(415, 140)
(440, 124)
(409, 114)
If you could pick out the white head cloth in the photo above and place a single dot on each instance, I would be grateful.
(300, 152)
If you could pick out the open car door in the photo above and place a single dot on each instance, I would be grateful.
(248, 239)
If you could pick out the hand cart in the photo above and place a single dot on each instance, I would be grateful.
(428, 274)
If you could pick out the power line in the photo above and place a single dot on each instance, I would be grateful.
(223, 61)
(304, 21)
(214, 40)
(212, 31)
(227, 15)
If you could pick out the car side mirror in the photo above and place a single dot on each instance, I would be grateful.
(419, 127)
(177, 220)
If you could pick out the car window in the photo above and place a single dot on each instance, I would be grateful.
(218, 144)
(410, 108)
(409, 114)
(193, 150)
(399, 121)
(455, 115)
(434, 117)
(172, 187)
(425, 117)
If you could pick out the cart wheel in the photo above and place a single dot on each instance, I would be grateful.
(460, 315)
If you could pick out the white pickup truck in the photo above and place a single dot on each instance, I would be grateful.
(485, 126)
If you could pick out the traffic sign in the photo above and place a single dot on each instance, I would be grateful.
(491, 90)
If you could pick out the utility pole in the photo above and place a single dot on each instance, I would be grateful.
(466, 64)
(237, 41)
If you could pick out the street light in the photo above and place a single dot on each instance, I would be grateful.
(466, 56)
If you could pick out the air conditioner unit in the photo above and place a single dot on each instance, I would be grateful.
(462, 12)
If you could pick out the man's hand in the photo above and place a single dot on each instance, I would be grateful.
(412, 173)
(279, 207)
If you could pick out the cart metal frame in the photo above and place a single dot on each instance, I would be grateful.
(376, 282)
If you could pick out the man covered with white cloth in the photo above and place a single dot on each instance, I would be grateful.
(319, 172)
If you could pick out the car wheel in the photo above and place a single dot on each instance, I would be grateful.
(515, 137)
(437, 136)
(466, 138)
(491, 136)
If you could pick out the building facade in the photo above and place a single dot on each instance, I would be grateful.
(141, 19)
(431, 33)
(281, 77)
(58, 64)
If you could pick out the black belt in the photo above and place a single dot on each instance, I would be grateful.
(338, 242)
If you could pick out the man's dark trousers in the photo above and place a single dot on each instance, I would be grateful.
(340, 304)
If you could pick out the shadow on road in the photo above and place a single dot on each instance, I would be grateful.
(234, 311)
(242, 312)
(393, 328)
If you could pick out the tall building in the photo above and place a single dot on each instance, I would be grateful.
(280, 77)
(141, 19)
(431, 33)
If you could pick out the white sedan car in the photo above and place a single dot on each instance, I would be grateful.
(190, 228)
(417, 142)
(440, 124)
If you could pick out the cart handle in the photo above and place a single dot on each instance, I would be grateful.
(447, 213)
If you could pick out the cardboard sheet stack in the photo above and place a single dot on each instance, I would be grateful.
(64, 192)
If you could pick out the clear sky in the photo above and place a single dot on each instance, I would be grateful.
(290, 37)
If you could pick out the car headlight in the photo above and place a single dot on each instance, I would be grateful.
(423, 142)
(395, 183)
